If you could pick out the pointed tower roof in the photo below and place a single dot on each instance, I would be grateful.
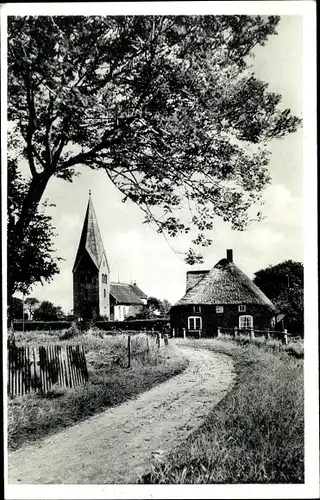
(90, 241)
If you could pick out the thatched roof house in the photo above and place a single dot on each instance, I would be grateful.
(222, 297)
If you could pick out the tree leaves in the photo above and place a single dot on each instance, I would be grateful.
(167, 105)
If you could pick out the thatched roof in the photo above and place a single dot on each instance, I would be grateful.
(91, 241)
(225, 284)
(193, 277)
(127, 294)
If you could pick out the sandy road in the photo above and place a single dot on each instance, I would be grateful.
(118, 445)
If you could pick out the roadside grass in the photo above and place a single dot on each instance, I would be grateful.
(255, 434)
(34, 416)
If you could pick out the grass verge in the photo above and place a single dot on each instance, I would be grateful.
(34, 416)
(255, 434)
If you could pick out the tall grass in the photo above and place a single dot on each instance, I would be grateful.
(256, 433)
(33, 416)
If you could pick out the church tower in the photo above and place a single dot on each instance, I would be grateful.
(91, 272)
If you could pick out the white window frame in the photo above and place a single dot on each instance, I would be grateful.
(197, 308)
(242, 308)
(219, 310)
(194, 319)
(246, 317)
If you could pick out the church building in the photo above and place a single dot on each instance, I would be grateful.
(93, 293)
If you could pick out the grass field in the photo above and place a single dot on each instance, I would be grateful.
(256, 433)
(33, 416)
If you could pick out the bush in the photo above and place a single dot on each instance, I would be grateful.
(70, 333)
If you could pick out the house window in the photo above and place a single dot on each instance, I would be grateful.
(219, 309)
(194, 323)
(197, 309)
(245, 322)
(242, 308)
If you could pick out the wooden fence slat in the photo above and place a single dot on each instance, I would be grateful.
(19, 371)
(61, 379)
(81, 373)
(65, 372)
(76, 364)
(55, 363)
(63, 375)
(85, 364)
(27, 370)
(9, 369)
(44, 371)
(48, 367)
(35, 378)
(68, 365)
(23, 370)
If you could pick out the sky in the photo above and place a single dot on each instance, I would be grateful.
(135, 252)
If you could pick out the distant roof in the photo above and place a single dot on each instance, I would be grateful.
(91, 240)
(127, 294)
(225, 284)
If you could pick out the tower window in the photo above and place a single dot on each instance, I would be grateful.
(104, 292)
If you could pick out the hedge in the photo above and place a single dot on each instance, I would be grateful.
(41, 325)
(157, 324)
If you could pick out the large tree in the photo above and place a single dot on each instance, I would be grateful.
(32, 260)
(168, 106)
(283, 284)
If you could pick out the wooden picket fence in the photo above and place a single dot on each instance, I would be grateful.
(39, 369)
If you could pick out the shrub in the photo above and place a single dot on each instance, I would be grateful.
(70, 333)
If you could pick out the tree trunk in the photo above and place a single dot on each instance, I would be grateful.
(30, 204)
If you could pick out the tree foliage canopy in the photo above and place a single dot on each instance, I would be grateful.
(283, 284)
(168, 106)
(47, 311)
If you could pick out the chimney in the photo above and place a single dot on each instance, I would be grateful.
(230, 255)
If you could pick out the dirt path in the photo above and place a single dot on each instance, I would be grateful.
(118, 445)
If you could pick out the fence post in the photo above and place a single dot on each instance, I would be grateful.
(148, 344)
(173, 332)
(166, 340)
(268, 334)
(184, 332)
(200, 332)
(251, 334)
(235, 333)
(285, 337)
(129, 351)
(218, 332)
(152, 330)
